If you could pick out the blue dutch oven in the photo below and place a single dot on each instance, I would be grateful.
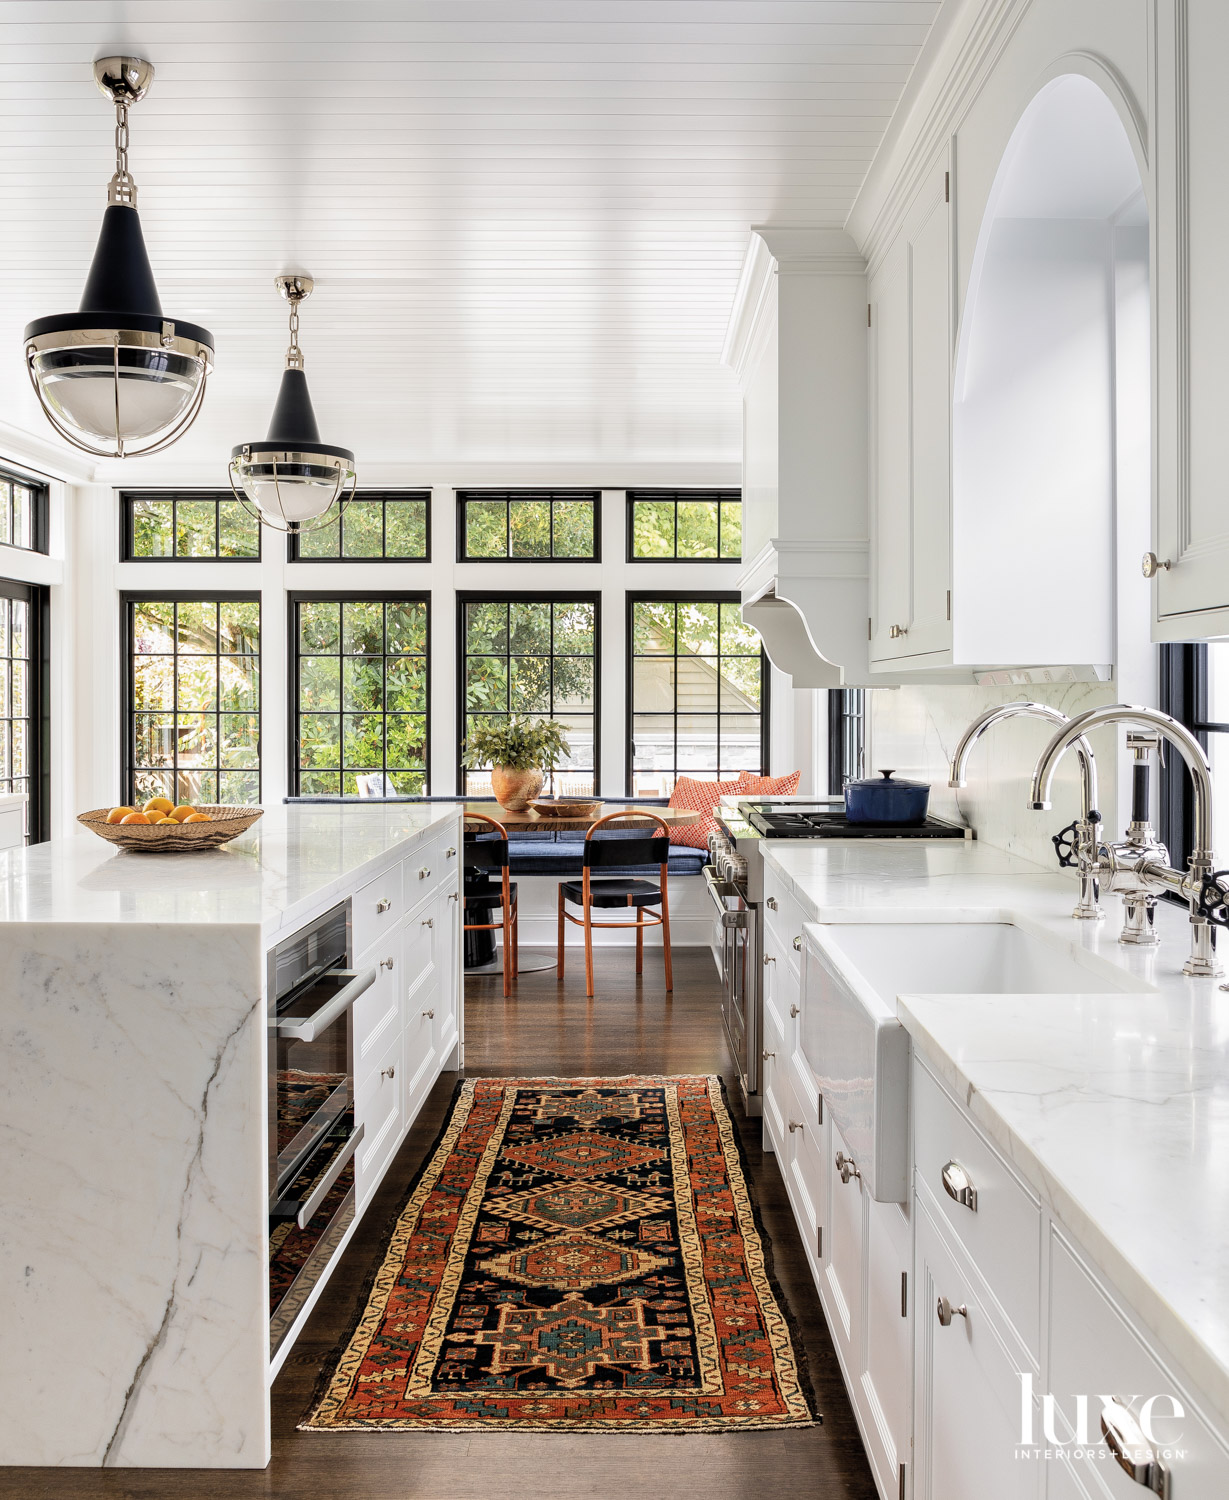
(886, 801)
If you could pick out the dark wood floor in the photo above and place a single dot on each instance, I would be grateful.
(545, 1028)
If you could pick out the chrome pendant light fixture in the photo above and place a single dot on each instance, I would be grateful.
(117, 378)
(292, 479)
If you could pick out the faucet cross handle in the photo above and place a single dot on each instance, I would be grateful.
(1213, 899)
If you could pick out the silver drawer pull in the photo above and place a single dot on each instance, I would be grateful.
(959, 1185)
(382, 907)
(428, 921)
(430, 1015)
(389, 1072)
(947, 1312)
(772, 903)
(1132, 1450)
(795, 1125)
(454, 896)
(798, 943)
(795, 1010)
(768, 959)
(423, 873)
(847, 1167)
(386, 963)
(450, 853)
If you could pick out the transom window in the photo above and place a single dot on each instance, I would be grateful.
(202, 526)
(528, 525)
(698, 691)
(193, 722)
(684, 525)
(533, 656)
(20, 660)
(376, 526)
(361, 695)
(23, 513)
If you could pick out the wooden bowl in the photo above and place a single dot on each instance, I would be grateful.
(225, 823)
(567, 807)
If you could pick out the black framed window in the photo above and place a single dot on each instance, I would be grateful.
(196, 525)
(24, 505)
(23, 698)
(192, 712)
(529, 526)
(1194, 682)
(684, 525)
(360, 694)
(532, 655)
(697, 691)
(846, 737)
(376, 526)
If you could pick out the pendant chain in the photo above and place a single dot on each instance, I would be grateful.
(294, 355)
(121, 138)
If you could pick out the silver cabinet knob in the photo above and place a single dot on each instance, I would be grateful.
(798, 943)
(428, 921)
(847, 1167)
(423, 873)
(454, 895)
(1152, 565)
(947, 1312)
(430, 1015)
(958, 1184)
(771, 903)
(896, 631)
(768, 959)
(795, 1125)
(382, 906)
(386, 963)
(389, 1072)
(450, 853)
(795, 1010)
(1132, 1451)
(767, 1055)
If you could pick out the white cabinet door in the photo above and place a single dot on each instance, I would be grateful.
(886, 1377)
(841, 1283)
(911, 381)
(1191, 517)
(450, 1015)
(967, 1384)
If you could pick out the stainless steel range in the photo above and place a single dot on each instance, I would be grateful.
(735, 879)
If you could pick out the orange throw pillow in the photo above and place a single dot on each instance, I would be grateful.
(701, 797)
(769, 786)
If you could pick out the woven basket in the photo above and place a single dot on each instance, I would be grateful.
(567, 807)
(225, 823)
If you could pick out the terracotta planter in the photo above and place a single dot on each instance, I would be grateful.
(515, 789)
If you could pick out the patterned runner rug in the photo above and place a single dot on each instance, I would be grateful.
(576, 1254)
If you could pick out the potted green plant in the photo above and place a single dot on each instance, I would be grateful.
(519, 751)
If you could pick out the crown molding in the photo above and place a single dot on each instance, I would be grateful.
(44, 457)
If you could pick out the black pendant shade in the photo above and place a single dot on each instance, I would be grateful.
(292, 427)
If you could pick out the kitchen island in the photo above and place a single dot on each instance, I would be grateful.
(134, 1252)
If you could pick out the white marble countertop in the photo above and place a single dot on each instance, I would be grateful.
(281, 871)
(1114, 1107)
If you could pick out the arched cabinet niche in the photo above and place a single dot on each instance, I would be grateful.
(1049, 413)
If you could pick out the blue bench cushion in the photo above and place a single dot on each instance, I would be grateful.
(562, 856)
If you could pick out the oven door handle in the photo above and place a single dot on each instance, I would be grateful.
(729, 918)
(308, 1211)
(712, 882)
(308, 1028)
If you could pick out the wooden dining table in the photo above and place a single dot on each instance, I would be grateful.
(531, 820)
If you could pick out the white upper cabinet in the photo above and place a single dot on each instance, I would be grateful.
(1191, 498)
(911, 342)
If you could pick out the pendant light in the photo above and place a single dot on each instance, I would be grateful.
(292, 479)
(117, 378)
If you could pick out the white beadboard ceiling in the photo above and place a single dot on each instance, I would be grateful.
(525, 217)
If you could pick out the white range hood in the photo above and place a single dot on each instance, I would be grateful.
(808, 603)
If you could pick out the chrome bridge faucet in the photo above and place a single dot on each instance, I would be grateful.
(1077, 843)
(1138, 868)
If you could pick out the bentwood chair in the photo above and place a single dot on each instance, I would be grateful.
(486, 850)
(606, 892)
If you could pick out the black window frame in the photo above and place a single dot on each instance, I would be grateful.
(130, 597)
(40, 510)
(677, 497)
(465, 597)
(464, 497)
(1184, 696)
(127, 530)
(846, 737)
(296, 597)
(687, 596)
(38, 809)
(294, 552)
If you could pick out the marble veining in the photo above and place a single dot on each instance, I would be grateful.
(1113, 1107)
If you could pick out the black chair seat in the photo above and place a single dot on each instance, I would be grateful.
(612, 891)
(489, 900)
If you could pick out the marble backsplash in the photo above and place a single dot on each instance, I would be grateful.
(915, 729)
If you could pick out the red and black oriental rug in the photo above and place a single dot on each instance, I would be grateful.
(576, 1254)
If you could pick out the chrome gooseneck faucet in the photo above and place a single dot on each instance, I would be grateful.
(1077, 843)
(1138, 868)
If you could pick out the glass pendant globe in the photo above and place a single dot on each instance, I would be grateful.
(126, 395)
(291, 490)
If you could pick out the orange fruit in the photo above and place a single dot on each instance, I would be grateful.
(135, 817)
(198, 818)
(118, 814)
(158, 822)
(158, 805)
(181, 812)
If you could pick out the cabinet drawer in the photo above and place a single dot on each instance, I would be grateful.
(422, 948)
(1094, 1351)
(1003, 1233)
(774, 1085)
(426, 865)
(380, 1107)
(377, 1011)
(783, 922)
(376, 909)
